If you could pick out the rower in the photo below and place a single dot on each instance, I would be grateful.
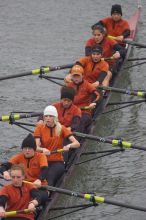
(96, 70)
(69, 114)
(115, 25)
(19, 195)
(111, 49)
(35, 163)
(49, 137)
(84, 96)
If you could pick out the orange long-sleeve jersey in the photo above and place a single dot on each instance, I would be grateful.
(50, 140)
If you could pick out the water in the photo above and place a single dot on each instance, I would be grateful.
(53, 32)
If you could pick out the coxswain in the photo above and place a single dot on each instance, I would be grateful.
(115, 25)
(19, 195)
(35, 163)
(86, 95)
(110, 47)
(96, 70)
(69, 114)
(49, 137)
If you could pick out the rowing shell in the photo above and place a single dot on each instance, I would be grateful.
(76, 156)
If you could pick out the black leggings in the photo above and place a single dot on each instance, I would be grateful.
(86, 120)
(55, 170)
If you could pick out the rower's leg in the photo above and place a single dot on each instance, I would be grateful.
(86, 120)
(55, 170)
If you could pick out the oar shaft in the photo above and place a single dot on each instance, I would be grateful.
(123, 91)
(92, 137)
(134, 59)
(121, 204)
(98, 199)
(133, 43)
(15, 76)
(13, 213)
(57, 151)
(37, 71)
(115, 142)
(61, 67)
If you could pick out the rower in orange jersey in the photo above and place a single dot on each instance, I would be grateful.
(35, 163)
(69, 114)
(96, 70)
(49, 137)
(19, 196)
(86, 95)
(115, 25)
(110, 47)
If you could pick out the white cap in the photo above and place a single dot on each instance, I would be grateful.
(51, 110)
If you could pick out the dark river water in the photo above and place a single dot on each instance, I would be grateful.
(53, 32)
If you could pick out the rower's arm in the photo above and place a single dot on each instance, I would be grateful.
(38, 144)
(120, 49)
(3, 200)
(75, 124)
(5, 166)
(44, 173)
(74, 143)
(126, 33)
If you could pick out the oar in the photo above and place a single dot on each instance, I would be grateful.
(115, 142)
(17, 116)
(94, 198)
(135, 59)
(57, 151)
(133, 43)
(108, 58)
(123, 91)
(13, 213)
(138, 64)
(37, 71)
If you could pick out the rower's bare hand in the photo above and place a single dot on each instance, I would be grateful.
(67, 78)
(37, 183)
(66, 148)
(31, 206)
(46, 151)
(92, 105)
(2, 211)
(120, 38)
(40, 122)
(116, 55)
(95, 84)
(6, 175)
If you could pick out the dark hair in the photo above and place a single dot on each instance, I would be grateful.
(67, 92)
(100, 28)
(96, 49)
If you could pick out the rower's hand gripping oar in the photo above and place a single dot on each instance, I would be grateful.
(94, 198)
(115, 142)
(37, 71)
(133, 43)
(123, 91)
